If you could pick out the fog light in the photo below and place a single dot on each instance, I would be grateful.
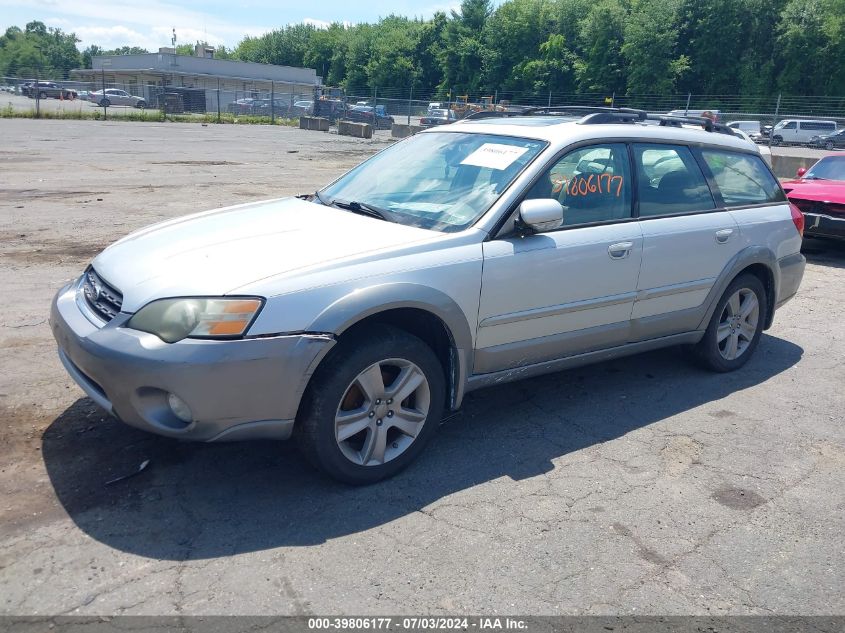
(179, 407)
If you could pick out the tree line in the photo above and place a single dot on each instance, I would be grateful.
(654, 47)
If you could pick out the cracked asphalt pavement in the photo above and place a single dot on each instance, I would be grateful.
(637, 486)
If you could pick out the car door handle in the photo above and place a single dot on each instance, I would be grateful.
(620, 250)
(724, 235)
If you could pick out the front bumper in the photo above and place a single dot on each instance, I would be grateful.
(236, 390)
(821, 225)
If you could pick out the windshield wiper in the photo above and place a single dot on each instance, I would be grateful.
(814, 178)
(360, 207)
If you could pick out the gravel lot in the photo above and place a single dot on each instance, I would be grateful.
(642, 485)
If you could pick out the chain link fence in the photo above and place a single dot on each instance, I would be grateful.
(63, 98)
(93, 99)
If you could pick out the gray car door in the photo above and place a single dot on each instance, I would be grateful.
(570, 290)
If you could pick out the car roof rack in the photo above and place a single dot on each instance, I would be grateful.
(595, 115)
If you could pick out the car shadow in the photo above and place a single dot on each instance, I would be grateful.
(196, 501)
(824, 252)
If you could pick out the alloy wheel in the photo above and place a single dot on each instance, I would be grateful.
(382, 412)
(738, 324)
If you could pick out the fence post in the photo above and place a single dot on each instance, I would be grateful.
(774, 122)
(410, 99)
(105, 109)
(686, 110)
(550, 98)
(37, 92)
(218, 100)
(272, 103)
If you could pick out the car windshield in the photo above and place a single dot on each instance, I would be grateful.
(829, 168)
(441, 181)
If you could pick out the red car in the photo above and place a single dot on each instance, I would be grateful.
(820, 194)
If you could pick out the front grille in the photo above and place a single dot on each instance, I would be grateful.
(102, 298)
(819, 208)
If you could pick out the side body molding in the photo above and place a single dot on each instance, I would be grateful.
(365, 302)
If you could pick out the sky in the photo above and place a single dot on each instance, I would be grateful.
(150, 23)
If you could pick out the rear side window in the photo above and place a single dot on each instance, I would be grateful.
(817, 125)
(670, 181)
(742, 178)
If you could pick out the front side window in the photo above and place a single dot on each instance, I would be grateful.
(592, 183)
(436, 180)
(670, 181)
(742, 179)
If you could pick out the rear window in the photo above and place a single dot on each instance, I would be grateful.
(742, 179)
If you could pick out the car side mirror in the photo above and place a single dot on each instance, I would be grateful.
(801, 171)
(539, 215)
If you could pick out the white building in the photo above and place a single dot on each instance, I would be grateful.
(147, 75)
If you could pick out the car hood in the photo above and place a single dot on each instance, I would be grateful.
(216, 252)
(818, 190)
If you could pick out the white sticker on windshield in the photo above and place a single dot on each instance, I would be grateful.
(494, 156)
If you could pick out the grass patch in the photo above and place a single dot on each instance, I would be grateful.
(96, 114)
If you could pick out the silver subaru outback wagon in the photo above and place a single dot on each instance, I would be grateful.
(489, 250)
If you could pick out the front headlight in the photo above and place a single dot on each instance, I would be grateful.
(175, 319)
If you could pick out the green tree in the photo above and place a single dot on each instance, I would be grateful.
(602, 66)
(513, 37)
(712, 33)
(463, 48)
(651, 38)
(38, 50)
(811, 36)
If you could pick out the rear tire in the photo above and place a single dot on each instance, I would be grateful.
(372, 405)
(105, 103)
(735, 327)
(828, 146)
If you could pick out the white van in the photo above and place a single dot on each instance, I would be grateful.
(749, 127)
(800, 130)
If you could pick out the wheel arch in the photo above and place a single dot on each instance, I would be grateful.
(425, 312)
(756, 260)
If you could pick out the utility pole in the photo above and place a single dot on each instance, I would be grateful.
(774, 122)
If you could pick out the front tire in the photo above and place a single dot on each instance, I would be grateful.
(735, 327)
(777, 140)
(105, 103)
(828, 146)
(372, 405)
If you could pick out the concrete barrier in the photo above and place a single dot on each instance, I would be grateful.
(358, 130)
(313, 123)
(786, 166)
(401, 130)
